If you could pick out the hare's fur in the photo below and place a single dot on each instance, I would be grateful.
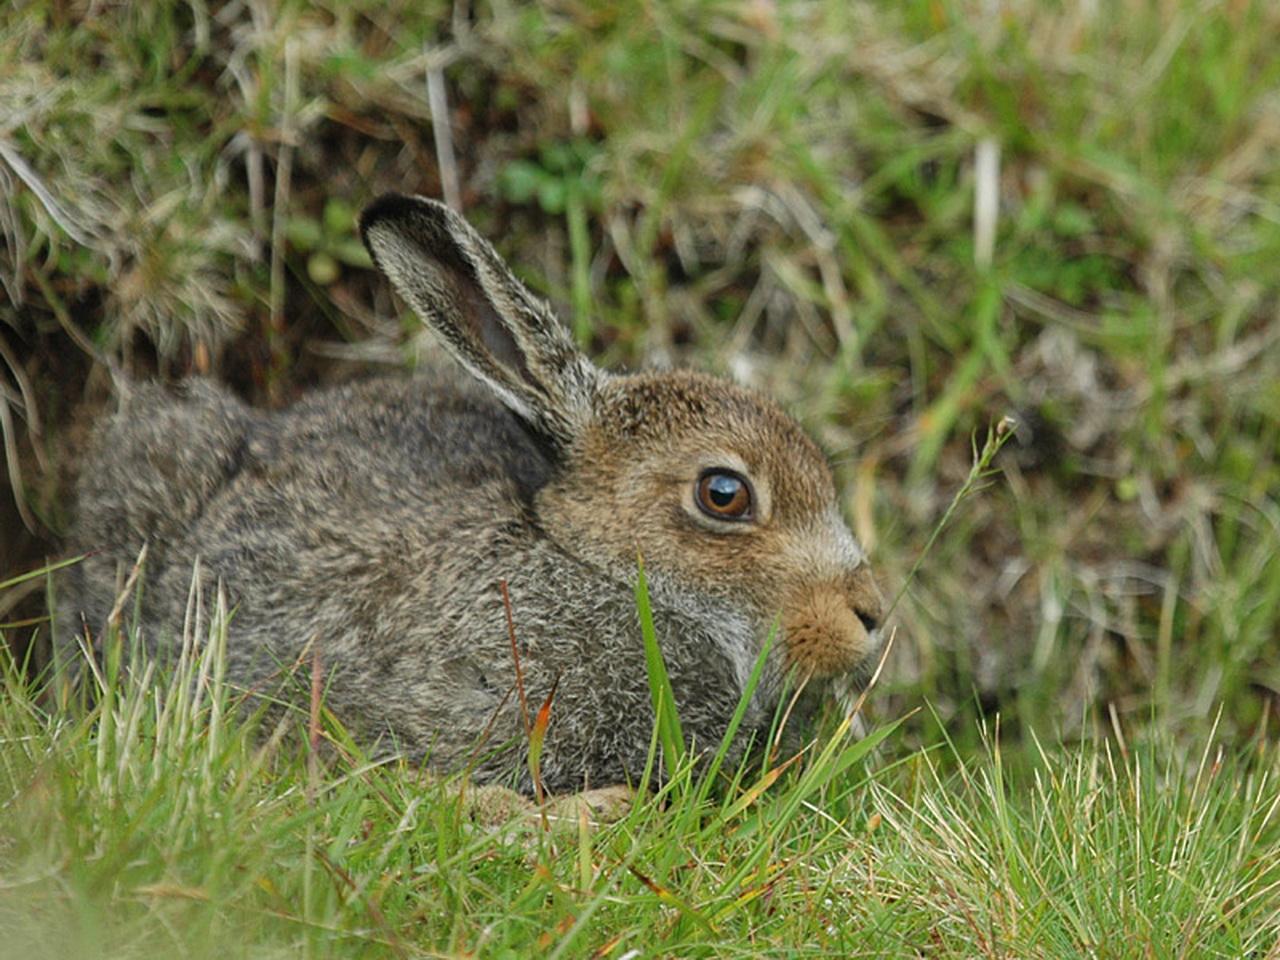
(377, 521)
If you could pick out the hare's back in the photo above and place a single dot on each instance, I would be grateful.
(152, 466)
(358, 480)
(158, 466)
(403, 439)
(385, 480)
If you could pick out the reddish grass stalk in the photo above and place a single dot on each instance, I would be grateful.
(313, 725)
(533, 732)
(537, 735)
(317, 686)
(515, 655)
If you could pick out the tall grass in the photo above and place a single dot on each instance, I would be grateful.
(155, 818)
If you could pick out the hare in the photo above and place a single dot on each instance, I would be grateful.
(378, 521)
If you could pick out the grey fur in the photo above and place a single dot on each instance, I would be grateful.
(377, 520)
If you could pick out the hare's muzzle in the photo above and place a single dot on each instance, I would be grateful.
(828, 628)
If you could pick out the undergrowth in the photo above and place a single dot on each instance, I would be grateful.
(155, 818)
(905, 220)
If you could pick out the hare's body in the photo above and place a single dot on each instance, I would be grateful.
(374, 525)
(396, 507)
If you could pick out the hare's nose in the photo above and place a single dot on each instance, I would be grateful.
(865, 599)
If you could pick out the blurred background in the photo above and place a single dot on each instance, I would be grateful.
(906, 220)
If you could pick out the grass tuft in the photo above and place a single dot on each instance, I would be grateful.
(157, 816)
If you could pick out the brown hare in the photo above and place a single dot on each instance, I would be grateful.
(377, 521)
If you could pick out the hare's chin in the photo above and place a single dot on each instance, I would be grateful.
(828, 668)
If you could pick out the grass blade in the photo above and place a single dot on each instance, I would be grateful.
(665, 712)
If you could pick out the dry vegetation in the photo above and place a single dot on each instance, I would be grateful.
(787, 192)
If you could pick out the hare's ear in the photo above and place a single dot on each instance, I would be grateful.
(501, 332)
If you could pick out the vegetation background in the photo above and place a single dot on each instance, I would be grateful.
(906, 220)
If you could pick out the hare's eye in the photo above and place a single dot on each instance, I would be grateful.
(724, 495)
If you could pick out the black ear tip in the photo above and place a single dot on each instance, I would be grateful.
(403, 208)
(387, 206)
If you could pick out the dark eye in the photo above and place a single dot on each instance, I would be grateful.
(723, 495)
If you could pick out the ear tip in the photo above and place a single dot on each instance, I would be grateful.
(389, 206)
(398, 208)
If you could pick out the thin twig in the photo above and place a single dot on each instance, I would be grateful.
(10, 438)
(875, 676)
(317, 689)
(313, 724)
(117, 609)
(284, 177)
(486, 733)
(997, 436)
(534, 771)
(786, 715)
(438, 102)
(986, 200)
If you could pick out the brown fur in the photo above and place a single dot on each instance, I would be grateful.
(378, 520)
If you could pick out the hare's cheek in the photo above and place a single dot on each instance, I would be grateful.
(823, 636)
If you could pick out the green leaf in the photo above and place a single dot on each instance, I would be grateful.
(519, 181)
(666, 716)
(352, 253)
(552, 195)
(304, 233)
(322, 268)
(339, 217)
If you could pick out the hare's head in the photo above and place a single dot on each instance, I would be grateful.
(721, 492)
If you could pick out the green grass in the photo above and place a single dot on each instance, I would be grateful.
(782, 191)
(158, 819)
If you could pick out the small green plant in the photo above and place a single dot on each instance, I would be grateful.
(329, 243)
